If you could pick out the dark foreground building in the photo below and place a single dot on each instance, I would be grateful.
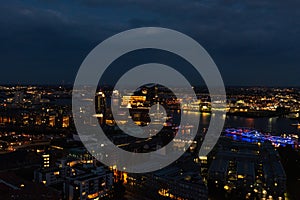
(242, 170)
(180, 180)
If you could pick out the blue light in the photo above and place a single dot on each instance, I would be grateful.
(254, 136)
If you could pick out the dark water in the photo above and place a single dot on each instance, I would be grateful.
(274, 125)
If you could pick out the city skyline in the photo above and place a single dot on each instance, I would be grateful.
(37, 130)
(143, 99)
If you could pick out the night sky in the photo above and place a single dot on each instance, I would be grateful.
(253, 42)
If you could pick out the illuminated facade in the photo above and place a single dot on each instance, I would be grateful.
(100, 104)
(49, 176)
(133, 101)
(80, 176)
(95, 184)
(46, 160)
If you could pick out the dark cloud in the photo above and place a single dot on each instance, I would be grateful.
(252, 41)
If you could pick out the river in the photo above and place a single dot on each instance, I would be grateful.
(274, 125)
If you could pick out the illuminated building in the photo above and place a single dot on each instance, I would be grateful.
(66, 121)
(52, 120)
(46, 160)
(81, 155)
(246, 169)
(100, 104)
(218, 171)
(204, 166)
(79, 176)
(172, 182)
(93, 184)
(6, 119)
(130, 101)
(48, 176)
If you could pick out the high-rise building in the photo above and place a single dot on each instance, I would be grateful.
(100, 105)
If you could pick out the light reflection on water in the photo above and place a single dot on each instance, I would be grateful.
(275, 125)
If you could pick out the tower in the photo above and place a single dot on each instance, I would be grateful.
(100, 106)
